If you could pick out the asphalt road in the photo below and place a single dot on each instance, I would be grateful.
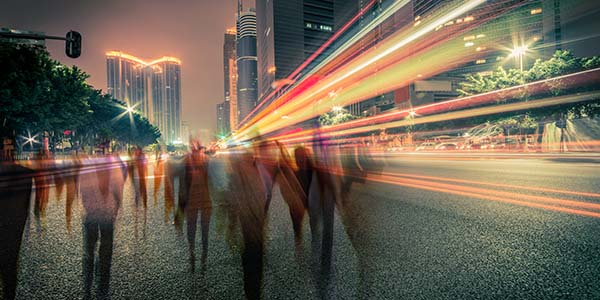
(430, 226)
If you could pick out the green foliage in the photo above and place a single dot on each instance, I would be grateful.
(561, 63)
(336, 117)
(40, 94)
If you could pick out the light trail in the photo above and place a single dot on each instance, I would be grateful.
(490, 110)
(511, 198)
(501, 185)
(357, 68)
(311, 58)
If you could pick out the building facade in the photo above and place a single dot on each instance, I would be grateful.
(222, 119)
(230, 78)
(246, 62)
(153, 88)
(290, 31)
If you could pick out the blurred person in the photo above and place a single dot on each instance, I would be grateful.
(196, 200)
(174, 173)
(324, 192)
(15, 194)
(139, 178)
(71, 179)
(252, 177)
(159, 170)
(101, 194)
(43, 166)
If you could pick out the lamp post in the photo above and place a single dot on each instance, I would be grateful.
(518, 52)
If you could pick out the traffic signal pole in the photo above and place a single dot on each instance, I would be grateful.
(72, 45)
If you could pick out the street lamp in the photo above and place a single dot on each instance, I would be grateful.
(518, 52)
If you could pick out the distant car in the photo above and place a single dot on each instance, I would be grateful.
(427, 146)
(473, 147)
(446, 146)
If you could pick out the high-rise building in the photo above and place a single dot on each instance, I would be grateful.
(247, 81)
(289, 31)
(222, 119)
(153, 88)
(230, 78)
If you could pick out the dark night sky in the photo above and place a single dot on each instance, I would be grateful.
(191, 30)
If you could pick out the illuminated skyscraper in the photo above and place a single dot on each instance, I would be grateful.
(152, 88)
(230, 78)
(289, 31)
(247, 81)
(222, 118)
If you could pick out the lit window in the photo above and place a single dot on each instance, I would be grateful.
(481, 35)
(499, 58)
(458, 21)
(468, 38)
(469, 44)
(449, 23)
(480, 48)
(480, 61)
(469, 19)
(536, 11)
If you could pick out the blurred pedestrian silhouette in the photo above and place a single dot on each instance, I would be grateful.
(196, 200)
(15, 195)
(140, 172)
(159, 170)
(252, 179)
(43, 165)
(102, 184)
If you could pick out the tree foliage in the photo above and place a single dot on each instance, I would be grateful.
(337, 116)
(39, 94)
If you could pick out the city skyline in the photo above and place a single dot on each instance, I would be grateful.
(135, 27)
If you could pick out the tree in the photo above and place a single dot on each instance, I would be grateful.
(39, 94)
(336, 116)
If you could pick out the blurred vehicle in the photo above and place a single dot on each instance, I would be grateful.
(394, 149)
(447, 146)
(427, 146)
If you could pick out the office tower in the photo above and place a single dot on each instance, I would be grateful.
(222, 119)
(230, 78)
(289, 31)
(153, 88)
(246, 63)
(166, 98)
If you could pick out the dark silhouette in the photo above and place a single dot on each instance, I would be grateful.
(196, 200)
(252, 179)
(15, 195)
(43, 165)
(139, 182)
(101, 193)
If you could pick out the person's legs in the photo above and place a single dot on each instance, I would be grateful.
(105, 258)
(192, 219)
(252, 259)
(205, 227)
(90, 238)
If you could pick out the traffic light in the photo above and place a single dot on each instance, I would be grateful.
(73, 44)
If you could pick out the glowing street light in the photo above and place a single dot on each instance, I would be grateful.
(518, 52)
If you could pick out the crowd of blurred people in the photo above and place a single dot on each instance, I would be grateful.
(314, 180)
